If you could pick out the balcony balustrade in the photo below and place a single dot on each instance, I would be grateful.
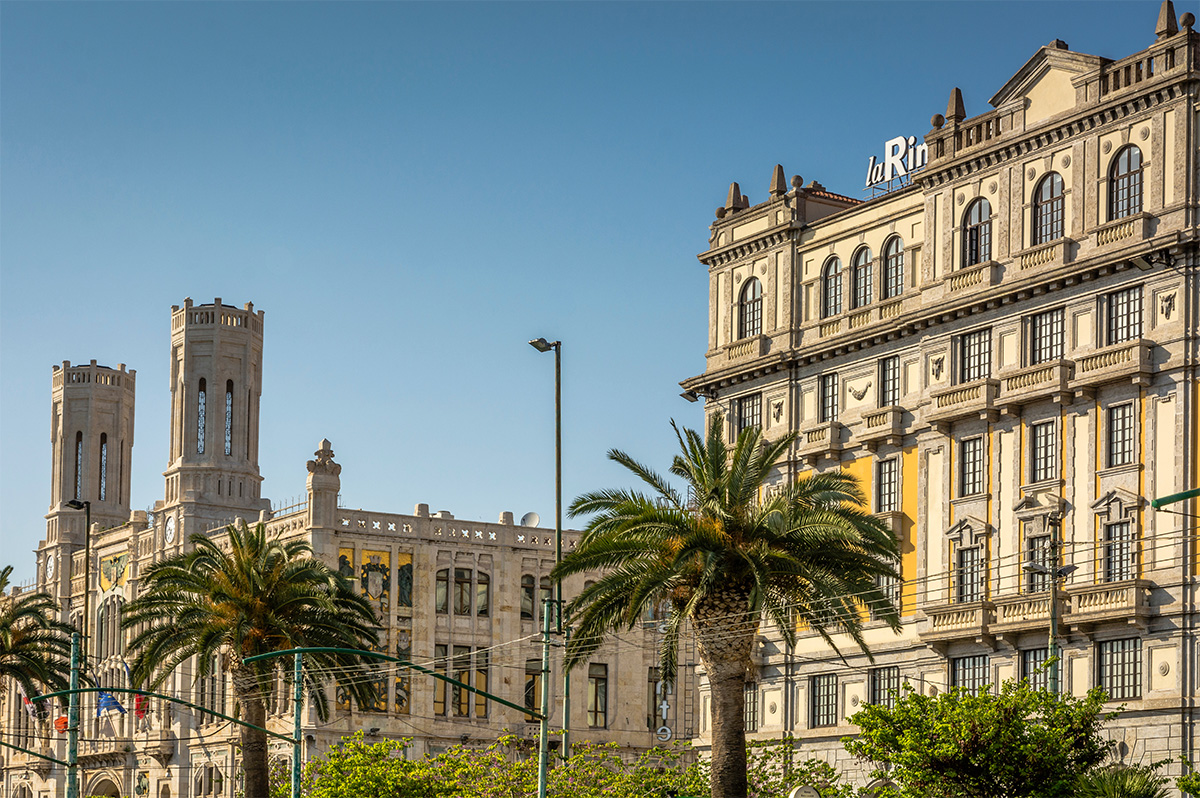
(1036, 383)
(970, 400)
(885, 425)
(949, 623)
(820, 440)
(1131, 361)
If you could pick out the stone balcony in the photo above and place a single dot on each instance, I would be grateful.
(950, 623)
(1026, 612)
(745, 349)
(1036, 383)
(159, 744)
(885, 425)
(820, 440)
(1131, 361)
(981, 275)
(1046, 256)
(970, 400)
(1127, 601)
(1123, 232)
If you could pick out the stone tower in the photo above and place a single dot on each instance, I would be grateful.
(212, 475)
(91, 439)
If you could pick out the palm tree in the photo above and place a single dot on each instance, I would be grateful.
(35, 647)
(259, 596)
(808, 554)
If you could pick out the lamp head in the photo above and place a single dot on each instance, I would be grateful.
(1036, 568)
(542, 345)
(75, 504)
(691, 396)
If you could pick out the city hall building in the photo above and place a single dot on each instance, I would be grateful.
(460, 597)
(1003, 349)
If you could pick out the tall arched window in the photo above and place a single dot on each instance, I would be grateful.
(201, 401)
(229, 417)
(103, 464)
(831, 288)
(1125, 184)
(750, 309)
(78, 465)
(977, 233)
(860, 277)
(893, 268)
(1048, 209)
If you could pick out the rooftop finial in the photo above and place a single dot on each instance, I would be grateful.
(778, 182)
(734, 201)
(1166, 20)
(955, 111)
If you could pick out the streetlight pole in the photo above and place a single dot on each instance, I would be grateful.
(86, 506)
(542, 345)
(1052, 648)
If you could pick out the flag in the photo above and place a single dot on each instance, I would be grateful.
(141, 703)
(109, 708)
(29, 707)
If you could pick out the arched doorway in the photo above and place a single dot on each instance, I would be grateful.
(104, 787)
(164, 791)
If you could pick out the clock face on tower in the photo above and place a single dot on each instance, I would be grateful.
(170, 529)
(49, 567)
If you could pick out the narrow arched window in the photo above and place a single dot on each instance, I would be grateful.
(1125, 184)
(750, 309)
(103, 464)
(831, 288)
(893, 268)
(483, 593)
(860, 271)
(977, 233)
(201, 401)
(229, 417)
(528, 583)
(1048, 209)
(78, 465)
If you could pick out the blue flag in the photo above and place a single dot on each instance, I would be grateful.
(109, 706)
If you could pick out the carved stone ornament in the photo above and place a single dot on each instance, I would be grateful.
(962, 198)
(1107, 147)
(992, 187)
(1163, 669)
(777, 409)
(858, 395)
(1145, 133)
(324, 463)
(1167, 302)
(938, 363)
(1032, 173)
(1066, 161)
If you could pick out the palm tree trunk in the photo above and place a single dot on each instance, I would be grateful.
(254, 742)
(725, 635)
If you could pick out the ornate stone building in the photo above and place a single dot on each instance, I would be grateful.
(460, 597)
(1004, 351)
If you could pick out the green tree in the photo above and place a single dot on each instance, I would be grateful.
(260, 595)
(356, 768)
(1018, 743)
(809, 553)
(1122, 781)
(35, 647)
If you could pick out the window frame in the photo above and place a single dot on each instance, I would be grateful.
(1043, 453)
(831, 287)
(969, 672)
(1124, 317)
(972, 466)
(441, 592)
(748, 412)
(977, 233)
(597, 695)
(862, 274)
(750, 707)
(892, 284)
(828, 397)
(1033, 670)
(883, 685)
(1120, 435)
(1125, 188)
(750, 309)
(887, 485)
(889, 381)
(1119, 668)
(1047, 333)
(1038, 551)
(1049, 210)
(970, 574)
(975, 355)
(1119, 551)
(823, 703)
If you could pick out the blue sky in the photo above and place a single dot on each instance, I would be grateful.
(411, 191)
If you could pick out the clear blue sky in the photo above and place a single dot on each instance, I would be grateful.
(411, 191)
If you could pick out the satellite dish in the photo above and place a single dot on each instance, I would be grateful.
(531, 519)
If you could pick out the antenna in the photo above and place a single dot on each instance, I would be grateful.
(531, 519)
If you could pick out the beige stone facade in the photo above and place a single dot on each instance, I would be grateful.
(461, 597)
(1005, 343)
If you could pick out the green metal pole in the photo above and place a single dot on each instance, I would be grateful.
(1194, 493)
(566, 723)
(1052, 647)
(544, 744)
(297, 698)
(73, 723)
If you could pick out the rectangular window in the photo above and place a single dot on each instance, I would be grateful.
(462, 591)
(975, 356)
(533, 687)
(1047, 336)
(528, 587)
(482, 671)
(969, 673)
(1043, 452)
(971, 467)
(829, 397)
(440, 665)
(749, 412)
(461, 671)
(597, 709)
(1124, 315)
(969, 576)
(1037, 550)
(823, 711)
(887, 485)
(890, 587)
(1120, 552)
(884, 686)
(482, 593)
(889, 381)
(1033, 668)
(750, 706)
(1120, 435)
(441, 591)
(1120, 668)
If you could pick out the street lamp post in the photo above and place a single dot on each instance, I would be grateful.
(1055, 572)
(542, 345)
(86, 506)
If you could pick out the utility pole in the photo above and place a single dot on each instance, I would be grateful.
(1054, 522)
(297, 705)
(73, 722)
